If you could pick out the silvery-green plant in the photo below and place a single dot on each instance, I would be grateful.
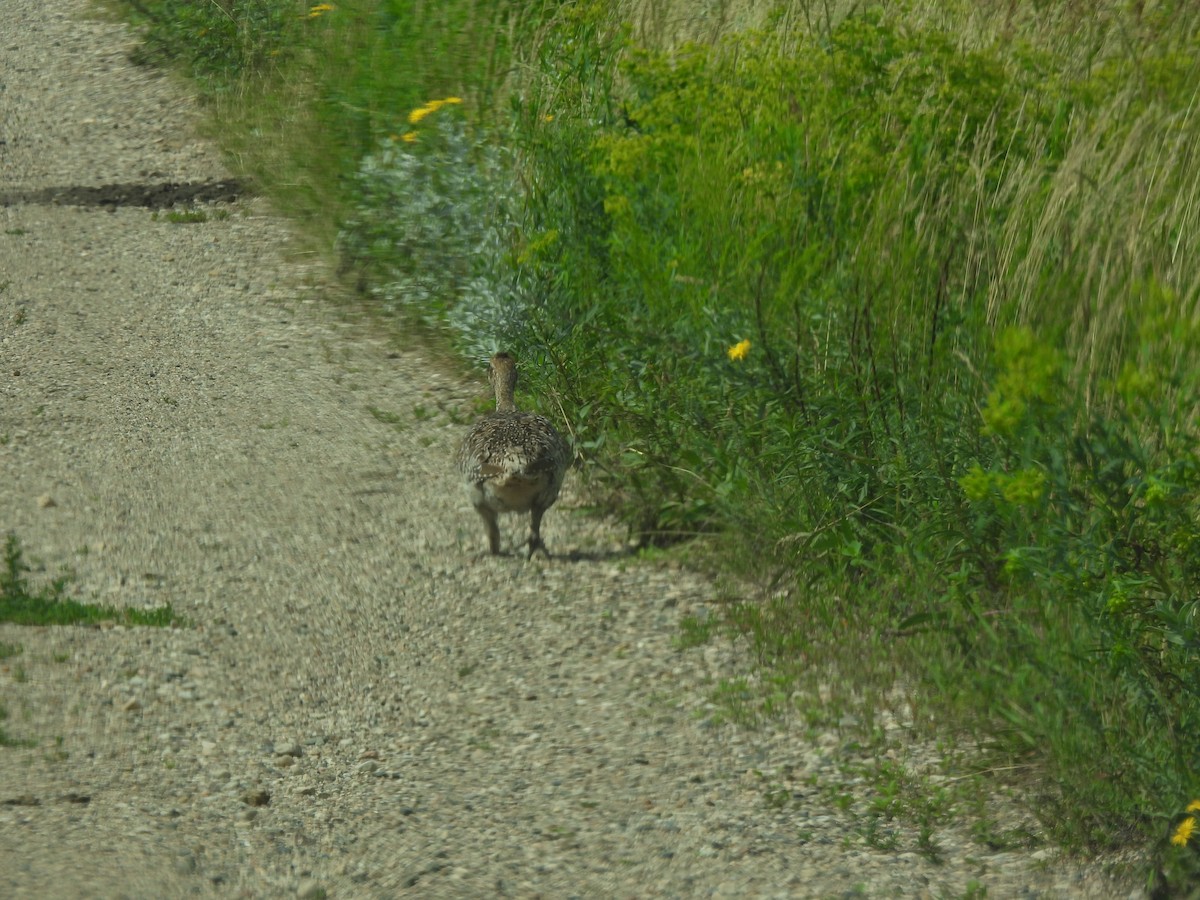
(433, 226)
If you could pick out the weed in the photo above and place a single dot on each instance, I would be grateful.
(927, 846)
(695, 631)
(387, 418)
(57, 756)
(986, 832)
(187, 216)
(7, 740)
(20, 604)
(8, 650)
(881, 837)
(736, 702)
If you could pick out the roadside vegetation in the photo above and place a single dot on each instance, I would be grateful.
(890, 309)
(22, 603)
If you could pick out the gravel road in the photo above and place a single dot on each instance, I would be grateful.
(359, 704)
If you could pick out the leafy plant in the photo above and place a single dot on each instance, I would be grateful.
(216, 41)
(1090, 546)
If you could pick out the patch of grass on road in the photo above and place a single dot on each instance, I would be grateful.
(23, 605)
(6, 739)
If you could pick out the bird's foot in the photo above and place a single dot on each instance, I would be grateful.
(535, 544)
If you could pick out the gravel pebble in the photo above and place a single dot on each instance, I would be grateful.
(359, 705)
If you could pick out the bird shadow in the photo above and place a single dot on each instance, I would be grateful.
(597, 556)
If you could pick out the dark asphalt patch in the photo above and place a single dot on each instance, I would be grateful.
(111, 196)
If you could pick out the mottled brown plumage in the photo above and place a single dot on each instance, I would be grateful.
(512, 461)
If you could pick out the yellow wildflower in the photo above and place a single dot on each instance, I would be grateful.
(409, 137)
(431, 107)
(549, 117)
(1194, 806)
(1183, 833)
(320, 9)
(739, 350)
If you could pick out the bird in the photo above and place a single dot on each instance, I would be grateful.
(512, 461)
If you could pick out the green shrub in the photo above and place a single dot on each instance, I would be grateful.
(218, 42)
(1085, 557)
(816, 200)
(432, 224)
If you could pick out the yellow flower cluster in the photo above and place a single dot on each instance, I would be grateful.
(1183, 833)
(738, 351)
(432, 106)
(320, 9)
(1186, 828)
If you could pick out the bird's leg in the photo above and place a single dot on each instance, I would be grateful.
(493, 528)
(535, 532)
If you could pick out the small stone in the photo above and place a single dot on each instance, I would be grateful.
(256, 797)
(46, 501)
(288, 748)
(283, 762)
(311, 890)
(367, 767)
(131, 705)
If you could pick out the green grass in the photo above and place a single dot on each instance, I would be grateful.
(21, 604)
(186, 216)
(953, 449)
(387, 417)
